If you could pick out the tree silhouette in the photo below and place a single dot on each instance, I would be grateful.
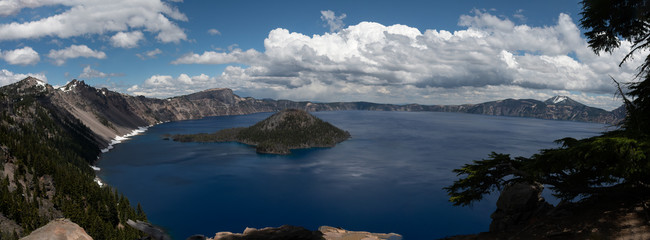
(609, 22)
(617, 161)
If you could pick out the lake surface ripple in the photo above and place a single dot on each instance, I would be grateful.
(387, 178)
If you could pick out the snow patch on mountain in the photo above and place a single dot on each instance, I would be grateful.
(559, 99)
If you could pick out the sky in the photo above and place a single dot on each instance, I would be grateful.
(426, 52)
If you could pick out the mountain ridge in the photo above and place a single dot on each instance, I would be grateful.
(110, 114)
(56, 133)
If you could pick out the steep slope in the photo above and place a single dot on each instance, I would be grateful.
(110, 114)
(278, 134)
(45, 154)
(107, 113)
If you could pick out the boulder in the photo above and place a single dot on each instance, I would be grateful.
(285, 232)
(518, 204)
(59, 229)
(154, 232)
(331, 233)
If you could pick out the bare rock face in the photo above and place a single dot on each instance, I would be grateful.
(59, 229)
(285, 232)
(517, 204)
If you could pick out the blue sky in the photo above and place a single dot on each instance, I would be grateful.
(428, 52)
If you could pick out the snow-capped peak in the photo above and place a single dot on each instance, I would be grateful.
(559, 99)
(69, 86)
(40, 82)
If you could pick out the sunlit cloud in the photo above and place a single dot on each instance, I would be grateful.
(149, 54)
(22, 56)
(127, 40)
(74, 51)
(95, 17)
(491, 58)
(89, 73)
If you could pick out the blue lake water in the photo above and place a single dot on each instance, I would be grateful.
(387, 178)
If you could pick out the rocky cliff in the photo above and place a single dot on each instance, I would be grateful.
(110, 114)
(50, 135)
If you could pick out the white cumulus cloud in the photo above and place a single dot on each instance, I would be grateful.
(212, 57)
(165, 85)
(491, 58)
(127, 40)
(89, 73)
(149, 54)
(22, 56)
(332, 21)
(84, 17)
(213, 31)
(74, 51)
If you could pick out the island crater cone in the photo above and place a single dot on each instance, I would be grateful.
(278, 134)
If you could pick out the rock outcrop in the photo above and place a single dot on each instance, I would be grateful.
(332, 233)
(620, 216)
(517, 204)
(155, 233)
(284, 232)
(278, 134)
(59, 229)
(287, 232)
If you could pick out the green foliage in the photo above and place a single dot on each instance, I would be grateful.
(483, 177)
(607, 164)
(608, 20)
(594, 165)
(44, 142)
(607, 23)
(292, 133)
(579, 168)
(295, 130)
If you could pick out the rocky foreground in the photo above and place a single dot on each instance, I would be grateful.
(523, 214)
(59, 229)
(64, 229)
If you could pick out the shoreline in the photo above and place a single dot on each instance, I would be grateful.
(120, 139)
(114, 141)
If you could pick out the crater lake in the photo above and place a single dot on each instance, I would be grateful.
(388, 177)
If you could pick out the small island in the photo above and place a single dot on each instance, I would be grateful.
(277, 134)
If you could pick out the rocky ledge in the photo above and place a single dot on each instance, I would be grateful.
(287, 232)
(64, 229)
